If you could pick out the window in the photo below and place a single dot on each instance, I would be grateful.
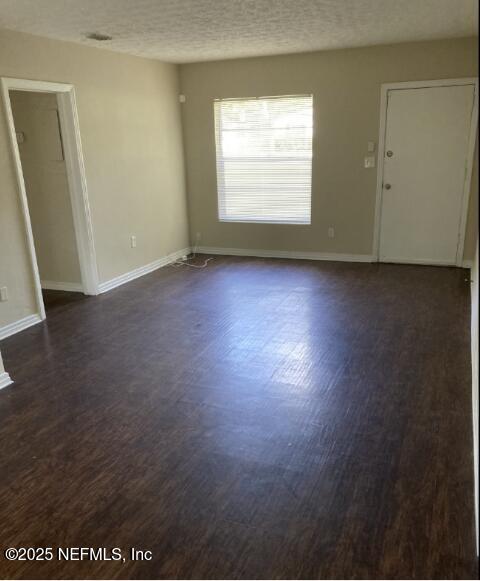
(264, 159)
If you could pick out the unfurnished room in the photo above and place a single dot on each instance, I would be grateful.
(239, 289)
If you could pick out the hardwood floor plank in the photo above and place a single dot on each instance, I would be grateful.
(259, 418)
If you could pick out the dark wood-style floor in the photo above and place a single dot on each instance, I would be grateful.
(255, 419)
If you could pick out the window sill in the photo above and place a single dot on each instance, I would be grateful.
(246, 221)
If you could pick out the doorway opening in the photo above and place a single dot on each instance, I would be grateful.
(46, 146)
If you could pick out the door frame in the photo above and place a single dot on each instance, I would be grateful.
(77, 182)
(385, 88)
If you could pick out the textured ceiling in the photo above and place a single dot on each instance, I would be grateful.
(196, 30)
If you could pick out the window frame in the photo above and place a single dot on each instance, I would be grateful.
(219, 161)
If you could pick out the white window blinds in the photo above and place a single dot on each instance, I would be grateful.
(264, 159)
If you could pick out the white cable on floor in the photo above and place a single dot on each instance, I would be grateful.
(183, 263)
(194, 255)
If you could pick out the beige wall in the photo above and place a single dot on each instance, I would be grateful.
(131, 135)
(45, 173)
(346, 89)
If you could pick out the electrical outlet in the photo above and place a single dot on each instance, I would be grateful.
(369, 161)
(331, 232)
(133, 241)
(3, 293)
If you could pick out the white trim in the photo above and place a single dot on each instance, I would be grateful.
(75, 287)
(381, 155)
(36, 86)
(142, 270)
(19, 325)
(5, 380)
(419, 261)
(286, 254)
(76, 180)
(467, 264)
(431, 83)
(380, 164)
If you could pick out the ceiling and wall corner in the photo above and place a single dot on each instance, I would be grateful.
(181, 31)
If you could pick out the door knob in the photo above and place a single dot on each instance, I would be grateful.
(388, 186)
(389, 153)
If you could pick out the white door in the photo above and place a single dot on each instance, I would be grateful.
(426, 148)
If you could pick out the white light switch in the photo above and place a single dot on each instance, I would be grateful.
(369, 161)
(133, 241)
(371, 146)
(3, 293)
(20, 136)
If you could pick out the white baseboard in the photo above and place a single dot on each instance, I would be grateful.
(417, 261)
(5, 380)
(19, 325)
(62, 286)
(133, 274)
(336, 257)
